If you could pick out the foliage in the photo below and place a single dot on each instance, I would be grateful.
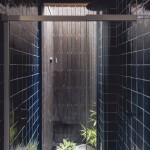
(66, 145)
(90, 133)
(32, 145)
(13, 132)
(20, 148)
(92, 118)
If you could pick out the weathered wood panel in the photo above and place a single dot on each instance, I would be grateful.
(74, 74)
(47, 83)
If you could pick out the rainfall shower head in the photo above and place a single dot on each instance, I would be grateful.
(96, 6)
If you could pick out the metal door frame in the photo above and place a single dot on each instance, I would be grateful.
(69, 18)
(6, 22)
(6, 27)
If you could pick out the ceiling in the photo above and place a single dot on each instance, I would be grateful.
(68, 1)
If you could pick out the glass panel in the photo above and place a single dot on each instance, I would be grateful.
(91, 81)
(69, 81)
(74, 99)
(68, 84)
(24, 85)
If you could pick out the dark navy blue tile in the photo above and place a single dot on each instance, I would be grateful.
(146, 56)
(147, 120)
(146, 135)
(146, 146)
(147, 72)
(147, 104)
(146, 88)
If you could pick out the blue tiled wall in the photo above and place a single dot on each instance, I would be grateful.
(24, 75)
(107, 88)
(134, 77)
(124, 70)
(107, 82)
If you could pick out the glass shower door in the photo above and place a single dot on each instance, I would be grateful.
(74, 94)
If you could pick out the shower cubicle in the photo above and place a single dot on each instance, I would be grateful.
(54, 76)
(71, 61)
(51, 80)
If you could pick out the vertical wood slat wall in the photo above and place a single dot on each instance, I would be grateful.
(74, 92)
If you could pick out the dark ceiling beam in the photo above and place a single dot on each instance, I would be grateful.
(68, 1)
(66, 4)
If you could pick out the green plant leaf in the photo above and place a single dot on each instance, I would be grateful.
(66, 145)
(90, 133)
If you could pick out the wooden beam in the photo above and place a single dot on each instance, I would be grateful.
(66, 4)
